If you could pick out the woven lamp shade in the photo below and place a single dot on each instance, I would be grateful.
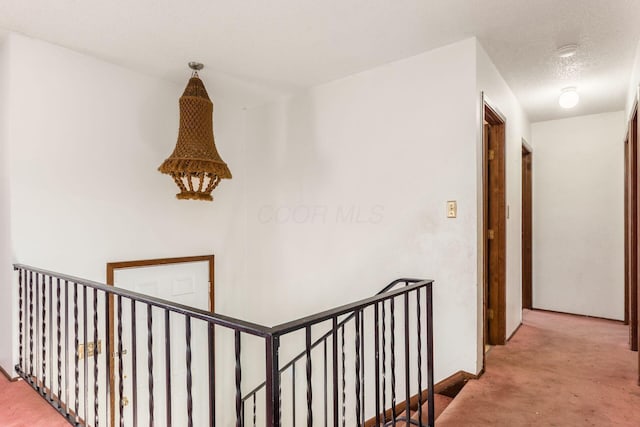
(195, 165)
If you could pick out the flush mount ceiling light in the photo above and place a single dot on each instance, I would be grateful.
(567, 51)
(195, 165)
(568, 97)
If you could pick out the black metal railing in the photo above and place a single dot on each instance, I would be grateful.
(168, 364)
(336, 373)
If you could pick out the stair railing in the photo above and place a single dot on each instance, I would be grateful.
(333, 341)
(150, 372)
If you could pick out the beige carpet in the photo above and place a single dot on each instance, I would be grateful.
(558, 370)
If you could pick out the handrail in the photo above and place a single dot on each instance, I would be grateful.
(295, 325)
(325, 315)
(218, 319)
(222, 320)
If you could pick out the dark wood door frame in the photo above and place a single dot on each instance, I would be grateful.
(111, 267)
(627, 285)
(634, 249)
(632, 229)
(494, 224)
(527, 226)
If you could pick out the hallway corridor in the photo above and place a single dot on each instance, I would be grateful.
(558, 370)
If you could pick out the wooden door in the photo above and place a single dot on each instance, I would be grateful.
(187, 281)
(485, 279)
(527, 244)
(634, 218)
(633, 233)
(495, 227)
(627, 301)
(186, 284)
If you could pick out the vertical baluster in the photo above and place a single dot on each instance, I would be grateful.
(24, 318)
(50, 341)
(357, 378)
(238, 380)
(279, 397)
(429, 327)
(407, 383)
(384, 364)
(85, 359)
(334, 364)
(254, 409)
(20, 321)
(150, 362)
(120, 363)
(272, 344)
(20, 301)
(362, 385)
(108, 303)
(30, 325)
(167, 358)
(36, 332)
(376, 344)
(309, 385)
(344, 379)
(134, 364)
(66, 346)
(76, 355)
(189, 373)
(212, 374)
(43, 388)
(392, 332)
(419, 347)
(293, 394)
(326, 391)
(96, 389)
(26, 301)
(59, 340)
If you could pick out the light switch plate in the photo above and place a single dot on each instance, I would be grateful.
(452, 209)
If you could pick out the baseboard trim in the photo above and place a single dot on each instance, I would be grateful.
(446, 386)
(9, 377)
(578, 315)
(514, 332)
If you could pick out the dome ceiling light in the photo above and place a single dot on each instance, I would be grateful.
(569, 97)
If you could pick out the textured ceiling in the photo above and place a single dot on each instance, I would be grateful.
(260, 48)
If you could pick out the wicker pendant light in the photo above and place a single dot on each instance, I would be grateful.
(195, 165)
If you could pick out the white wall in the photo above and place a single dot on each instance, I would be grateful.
(634, 82)
(390, 145)
(7, 319)
(337, 190)
(85, 141)
(500, 96)
(578, 215)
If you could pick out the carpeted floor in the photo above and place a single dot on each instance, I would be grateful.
(21, 406)
(558, 370)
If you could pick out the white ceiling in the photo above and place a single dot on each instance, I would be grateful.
(261, 47)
